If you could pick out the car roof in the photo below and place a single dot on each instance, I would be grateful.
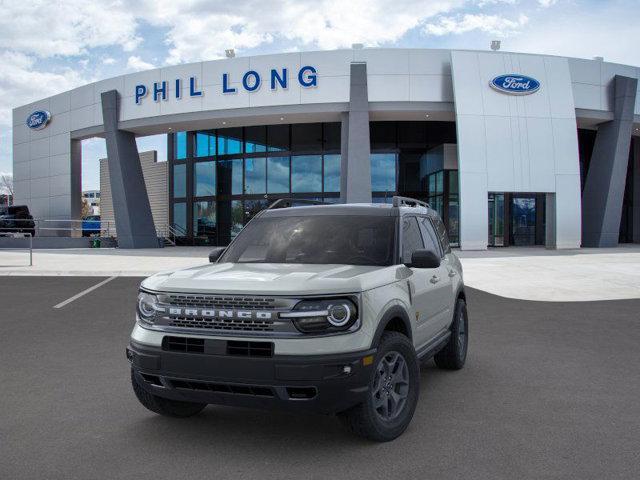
(365, 209)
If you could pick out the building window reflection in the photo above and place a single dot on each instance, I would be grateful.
(204, 179)
(180, 180)
(383, 172)
(204, 219)
(306, 173)
(332, 173)
(255, 176)
(205, 145)
(278, 172)
(180, 146)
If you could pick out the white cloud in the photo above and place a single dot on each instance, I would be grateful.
(491, 24)
(46, 28)
(203, 30)
(135, 63)
(108, 61)
(21, 83)
(547, 3)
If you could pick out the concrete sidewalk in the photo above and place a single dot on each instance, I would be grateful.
(555, 275)
(101, 262)
(521, 273)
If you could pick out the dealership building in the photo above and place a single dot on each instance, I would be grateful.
(510, 149)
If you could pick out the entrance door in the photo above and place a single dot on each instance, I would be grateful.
(496, 220)
(523, 220)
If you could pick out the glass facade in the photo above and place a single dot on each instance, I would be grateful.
(407, 159)
(221, 178)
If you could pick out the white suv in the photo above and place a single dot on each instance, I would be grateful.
(317, 308)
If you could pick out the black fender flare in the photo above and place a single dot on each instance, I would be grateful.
(395, 311)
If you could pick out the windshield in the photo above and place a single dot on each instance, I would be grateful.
(319, 239)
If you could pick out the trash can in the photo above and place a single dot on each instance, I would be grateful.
(95, 243)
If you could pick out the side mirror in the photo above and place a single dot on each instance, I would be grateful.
(216, 253)
(424, 259)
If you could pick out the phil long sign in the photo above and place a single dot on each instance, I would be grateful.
(515, 84)
(250, 81)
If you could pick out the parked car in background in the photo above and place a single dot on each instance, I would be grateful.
(91, 225)
(17, 219)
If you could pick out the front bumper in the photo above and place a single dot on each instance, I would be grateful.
(319, 383)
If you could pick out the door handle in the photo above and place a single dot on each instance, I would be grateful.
(452, 273)
(435, 279)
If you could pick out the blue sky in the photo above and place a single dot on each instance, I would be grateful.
(49, 48)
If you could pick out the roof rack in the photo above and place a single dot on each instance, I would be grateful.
(289, 202)
(408, 202)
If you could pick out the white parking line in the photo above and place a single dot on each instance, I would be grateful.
(84, 292)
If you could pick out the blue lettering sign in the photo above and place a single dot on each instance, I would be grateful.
(251, 82)
(310, 80)
(157, 90)
(515, 84)
(251, 86)
(141, 92)
(192, 88)
(225, 84)
(275, 77)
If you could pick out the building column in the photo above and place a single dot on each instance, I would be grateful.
(604, 187)
(355, 176)
(131, 208)
(636, 190)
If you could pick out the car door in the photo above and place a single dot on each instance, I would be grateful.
(424, 289)
(441, 278)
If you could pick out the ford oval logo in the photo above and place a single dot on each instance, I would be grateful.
(515, 84)
(38, 119)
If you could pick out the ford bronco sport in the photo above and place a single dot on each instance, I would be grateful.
(327, 309)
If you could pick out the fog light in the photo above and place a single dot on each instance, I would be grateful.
(368, 360)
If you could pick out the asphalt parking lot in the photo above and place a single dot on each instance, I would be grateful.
(551, 390)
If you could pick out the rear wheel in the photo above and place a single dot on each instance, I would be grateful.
(164, 406)
(393, 392)
(454, 354)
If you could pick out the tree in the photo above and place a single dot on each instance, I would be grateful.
(86, 208)
(6, 183)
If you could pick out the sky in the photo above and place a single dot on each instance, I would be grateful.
(47, 47)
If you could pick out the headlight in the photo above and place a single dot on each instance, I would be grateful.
(147, 307)
(323, 316)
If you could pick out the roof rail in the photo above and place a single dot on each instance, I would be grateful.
(288, 202)
(409, 202)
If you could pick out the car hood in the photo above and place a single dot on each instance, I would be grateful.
(273, 279)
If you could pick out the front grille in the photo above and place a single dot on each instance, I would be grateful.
(238, 325)
(221, 301)
(250, 349)
(183, 344)
(254, 390)
(216, 314)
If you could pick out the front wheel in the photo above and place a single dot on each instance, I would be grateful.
(164, 406)
(393, 392)
(454, 354)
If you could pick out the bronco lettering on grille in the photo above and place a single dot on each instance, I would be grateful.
(213, 313)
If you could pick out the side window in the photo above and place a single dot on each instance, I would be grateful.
(442, 234)
(411, 238)
(430, 238)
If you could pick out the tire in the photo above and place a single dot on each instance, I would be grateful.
(164, 406)
(368, 419)
(454, 353)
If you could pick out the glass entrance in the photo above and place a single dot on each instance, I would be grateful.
(523, 220)
(496, 220)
